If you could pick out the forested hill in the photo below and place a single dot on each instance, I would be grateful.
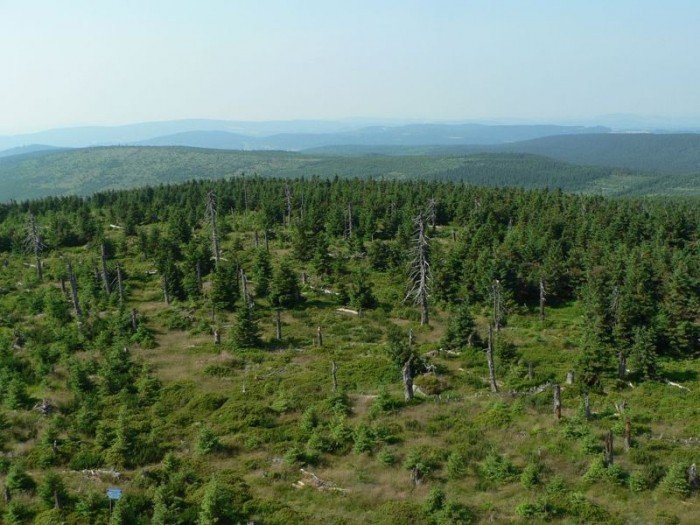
(677, 153)
(243, 351)
(89, 170)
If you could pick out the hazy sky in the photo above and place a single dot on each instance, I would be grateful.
(69, 62)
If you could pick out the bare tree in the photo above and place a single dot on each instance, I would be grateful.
(608, 451)
(334, 375)
(288, 202)
(543, 298)
(348, 222)
(489, 360)
(74, 289)
(408, 379)
(120, 283)
(420, 274)
(104, 274)
(432, 213)
(35, 244)
(557, 401)
(278, 324)
(497, 292)
(212, 215)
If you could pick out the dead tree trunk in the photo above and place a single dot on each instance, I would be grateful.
(278, 324)
(621, 365)
(489, 361)
(35, 244)
(103, 269)
(166, 295)
(530, 371)
(348, 224)
(543, 298)
(334, 375)
(288, 202)
(497, 312)
(408, 379)
(693, 480)
(198, 272)
(608, 451)
(586, 406)
(217, 336)
(134, 320)
(420, 270)
(244, 290)
(211, 214)
(628, 434)
(319, 337)
(557, 401)
(74, 290)
(120, 284)
(570, 377)
(432, 214)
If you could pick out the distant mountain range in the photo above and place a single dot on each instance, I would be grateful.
(291, 135)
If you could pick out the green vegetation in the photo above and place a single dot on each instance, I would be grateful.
(86, 171)
(274, 384)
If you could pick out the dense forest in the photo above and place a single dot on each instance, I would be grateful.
(347, 350)
(89, 170)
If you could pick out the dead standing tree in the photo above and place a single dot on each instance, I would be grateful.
(543, 298)
(408, 379)
(420, 270)
(288, 203)
(211, 215)
(348, 222)
(497, 292)
(489, 360)
(35, 244)
(74, 290)
(104, 273)
(432, 214)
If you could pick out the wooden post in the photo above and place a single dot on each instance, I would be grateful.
(278, 324)
(557, 401)
(628, 434)
(489, 361)
(408, 379)
(319, 336)
(103, 268)
(608, 451)
(334, 375)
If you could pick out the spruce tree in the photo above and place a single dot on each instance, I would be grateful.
(262, 273)
(284, 289)
(461, 330)
(246, 333)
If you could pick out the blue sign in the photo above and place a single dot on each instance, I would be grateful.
(114, 493)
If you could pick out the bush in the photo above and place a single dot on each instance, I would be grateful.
(498, 469)
(207, 442)
(456, 466)
(675, 482)
(530, 475)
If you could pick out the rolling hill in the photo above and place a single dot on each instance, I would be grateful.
(88, 170)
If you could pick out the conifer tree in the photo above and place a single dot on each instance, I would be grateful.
(246, 333)
(284, 289)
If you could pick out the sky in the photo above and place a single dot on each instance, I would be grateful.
(78, 62)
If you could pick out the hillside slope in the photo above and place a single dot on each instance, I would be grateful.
(85, 171)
